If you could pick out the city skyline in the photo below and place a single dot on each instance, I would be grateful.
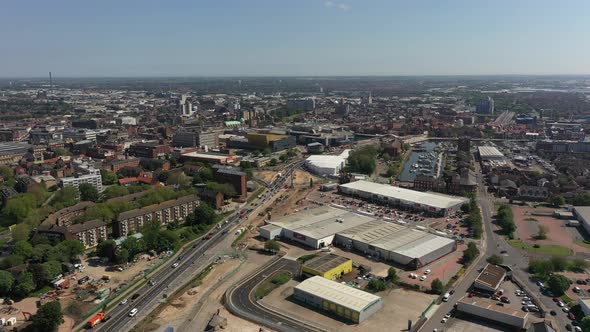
(304, 38)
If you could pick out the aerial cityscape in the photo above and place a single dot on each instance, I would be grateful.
(208, 166)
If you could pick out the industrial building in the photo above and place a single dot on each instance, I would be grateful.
(582, 213)
(489, 310)
(324, 165)
(433, 203)
(314, 228)
(487, 153)
(395, 243)
(324, 226)
(274, 142)
(344, 301)
(490, 278)
(328, 266)
(212, 158)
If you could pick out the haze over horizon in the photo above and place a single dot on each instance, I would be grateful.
(296, 38)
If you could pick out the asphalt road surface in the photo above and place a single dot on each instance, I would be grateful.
(242, 297)
(193, 259)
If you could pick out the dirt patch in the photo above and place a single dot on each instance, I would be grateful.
(301, 178)
(528, 220)
(266, 176)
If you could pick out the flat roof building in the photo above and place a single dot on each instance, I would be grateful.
(490, 278)
(433, 203)
(325, 164)
(582, 213)
(324, 226)
(344, 301)
(328, 266)
(585, 305)
(489, 153)
(488, 309)
(396, 243)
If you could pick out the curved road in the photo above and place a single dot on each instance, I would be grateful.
(241, 299)
(195, 259)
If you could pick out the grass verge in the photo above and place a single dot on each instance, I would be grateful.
(582, 243)
(543, 250)
(255, 195)
(270, 284)
(239, 238)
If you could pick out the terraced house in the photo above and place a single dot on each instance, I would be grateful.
(130, 222)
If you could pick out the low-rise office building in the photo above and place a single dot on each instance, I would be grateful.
(489, 310)
(490, 278)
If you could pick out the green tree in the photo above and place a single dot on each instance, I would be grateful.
(12, 261)
(362, 160)
(64, 198)
(392, 275)
(557, 201)
(51, 270)
(106, 249)
(6, 173)
(48, 317)
(495, 259)
(42, 252)
(470, 254)
(206, 174)
(122, 256)
(6, 282)
(108, 177)
(133, 246)
(18, 208)
(25, 285)
(88, 193)
(21, 232)
(204, 214)
(436, 286)
(585, 324)
(558, 284)
(115, 191)
(178, 178)
(22, 248)
(273, 162)
(272, 246)
(542, 234)
(376, 285)
(71, 249)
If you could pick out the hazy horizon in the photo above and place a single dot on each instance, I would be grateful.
(307, 38)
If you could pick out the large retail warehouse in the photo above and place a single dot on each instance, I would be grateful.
(396, 243)
(433, 203)
(324, 226)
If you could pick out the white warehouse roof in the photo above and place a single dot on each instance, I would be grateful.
(489, 152)
(346, 296)
(436, 200)
(397, 238)
(321, 222)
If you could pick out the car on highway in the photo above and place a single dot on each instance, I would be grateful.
(124, 302)
(175, 265)
(133, 312)
(135, 296)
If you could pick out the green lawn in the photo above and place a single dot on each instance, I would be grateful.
(582, 243)
(543, 250)
(270, 284)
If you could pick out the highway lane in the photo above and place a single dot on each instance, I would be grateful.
(194, 257)
(242, 299)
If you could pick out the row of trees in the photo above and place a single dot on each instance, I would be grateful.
(41, 264)
(505, 220)
(474, 219)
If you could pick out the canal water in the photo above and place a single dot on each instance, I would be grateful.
(407, 175)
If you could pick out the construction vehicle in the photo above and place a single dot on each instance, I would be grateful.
(92, 322)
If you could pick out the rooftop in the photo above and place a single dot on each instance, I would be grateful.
(76, 228)
(206, 155)
(157, 207)
(325, 263)
(436, 200)
(396, 238)
(489, 151)
(346, 296)
(491, 276)
(321, 222)
(492, 306)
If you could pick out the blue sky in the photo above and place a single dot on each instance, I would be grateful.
(293, 37)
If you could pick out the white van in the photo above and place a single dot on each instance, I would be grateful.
(446, 297)
(133, 312)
